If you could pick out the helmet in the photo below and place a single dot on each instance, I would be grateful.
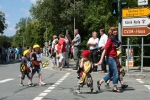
(118, 53)
(36, 46)
(25, 52)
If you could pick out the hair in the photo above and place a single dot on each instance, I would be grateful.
(110, 32)
(61, 35)
(68, 37)
(102, 30)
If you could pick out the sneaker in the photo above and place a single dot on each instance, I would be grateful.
(21, 84)
(78, 77)
(98, 85)
(78, 91)
(41, 83)
(124, 86)
(93, 91)
(31, 84)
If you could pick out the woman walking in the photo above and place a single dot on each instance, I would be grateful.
(111, 53)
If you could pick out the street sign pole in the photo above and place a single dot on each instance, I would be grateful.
(128, 54)
(142, 56)
(119, 25)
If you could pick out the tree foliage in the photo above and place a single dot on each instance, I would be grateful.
(3, 24)
(49, 17)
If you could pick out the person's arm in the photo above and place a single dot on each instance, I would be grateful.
(32, 59)
(93, 43)
(103, 55)
(81, 64)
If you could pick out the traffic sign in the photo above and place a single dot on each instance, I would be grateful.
(142, 2)
(135, 22)
(135, 31)
(135, 12)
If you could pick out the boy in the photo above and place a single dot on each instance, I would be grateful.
(25, 68)
(120, 78)
(36, 60)
(85, 77)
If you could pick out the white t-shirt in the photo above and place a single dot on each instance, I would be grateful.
(102, 40)
(54, 43)
(92, 40)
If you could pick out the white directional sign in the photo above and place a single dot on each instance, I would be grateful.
(135, 22)
(142, 2)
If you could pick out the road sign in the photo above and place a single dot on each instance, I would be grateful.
(135, 12)
(142, 2)
(135, 22)
(135, 31)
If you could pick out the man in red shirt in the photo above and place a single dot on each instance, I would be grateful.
(61, 50)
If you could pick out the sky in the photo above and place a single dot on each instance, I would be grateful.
(14, 10)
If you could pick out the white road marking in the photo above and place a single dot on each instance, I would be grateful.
(139, 80)
(51, 88)
(148, 86)
(6, 80)
(47, 90)
(38, 98)
(46, 68)
(44, 93)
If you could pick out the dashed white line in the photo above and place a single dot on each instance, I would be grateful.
(6, 80)
(139, 80)
(148, 86)
(49, 89)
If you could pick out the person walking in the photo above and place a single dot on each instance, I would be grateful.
(93, 44)
(76, 46)
(111, 53)
(102, 42)
(61, 50)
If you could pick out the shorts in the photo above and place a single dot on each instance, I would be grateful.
(26, 72)
(36, 69)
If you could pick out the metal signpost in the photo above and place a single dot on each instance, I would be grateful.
(134, 26)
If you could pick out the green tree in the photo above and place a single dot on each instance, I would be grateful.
(3, 24)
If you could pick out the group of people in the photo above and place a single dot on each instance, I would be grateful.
(61, 47)
(107, 47)
(30, 64)
(8, 54)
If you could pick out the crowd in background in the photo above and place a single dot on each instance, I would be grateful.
(8, 54)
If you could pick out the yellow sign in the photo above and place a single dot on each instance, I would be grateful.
(135, 12)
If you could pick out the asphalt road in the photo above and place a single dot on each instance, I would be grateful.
(61, 85)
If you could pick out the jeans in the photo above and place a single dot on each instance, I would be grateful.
(113, 72)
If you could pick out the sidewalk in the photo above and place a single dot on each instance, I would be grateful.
(134, 72)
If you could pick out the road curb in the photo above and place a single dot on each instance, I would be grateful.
(130, 75)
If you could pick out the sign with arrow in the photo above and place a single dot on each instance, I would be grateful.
(142, 2)
(135, 31)
(135, 12)
(135, 22)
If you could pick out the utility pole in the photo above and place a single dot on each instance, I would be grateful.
(119, 25)
(74, 17)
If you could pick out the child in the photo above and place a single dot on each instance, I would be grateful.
(120, 78)
(36, 60)
(25, 68)
(85, 77)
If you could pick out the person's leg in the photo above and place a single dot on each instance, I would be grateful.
(21, 79)
(108, 76)
(76, 56)
(78, 88)
(67, 59)
(95, 59)
(40, 76)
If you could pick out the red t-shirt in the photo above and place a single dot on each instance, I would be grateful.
(110, 49)
(60, 43)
